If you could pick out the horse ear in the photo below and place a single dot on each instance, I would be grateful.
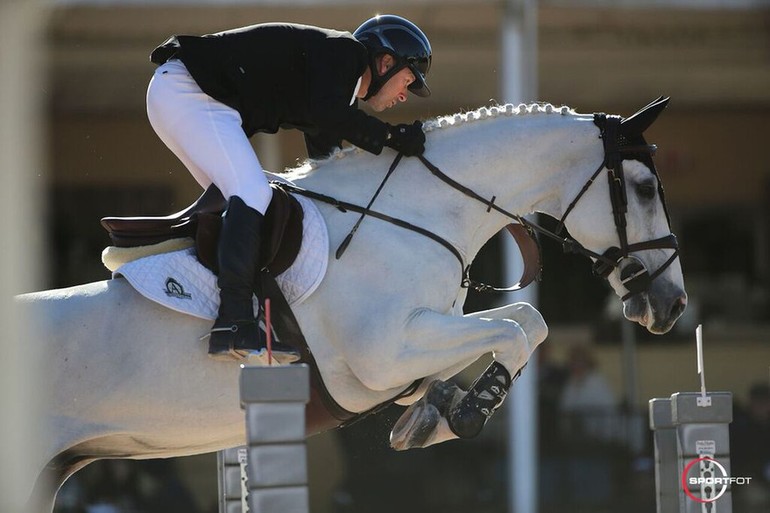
(639, 122)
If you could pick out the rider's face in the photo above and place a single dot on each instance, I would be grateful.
(395, 90)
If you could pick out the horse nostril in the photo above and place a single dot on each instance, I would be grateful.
(680, 303)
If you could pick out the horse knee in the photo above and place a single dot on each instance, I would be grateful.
(532, 323)
(515, 346)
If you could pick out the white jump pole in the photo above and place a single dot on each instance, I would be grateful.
(519, 84)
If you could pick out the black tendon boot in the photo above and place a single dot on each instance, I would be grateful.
(235, 334)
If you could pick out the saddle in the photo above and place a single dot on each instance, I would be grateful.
(202, 221)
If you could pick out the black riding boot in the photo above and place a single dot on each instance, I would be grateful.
(235, 334)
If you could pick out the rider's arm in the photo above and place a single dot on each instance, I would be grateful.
(351, 124)
(334, 68)
(319, 146)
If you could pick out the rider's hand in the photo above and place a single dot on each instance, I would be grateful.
(407, 139)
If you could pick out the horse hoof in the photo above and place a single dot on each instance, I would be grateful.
(415, 428)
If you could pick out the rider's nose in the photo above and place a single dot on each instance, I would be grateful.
(402, 97)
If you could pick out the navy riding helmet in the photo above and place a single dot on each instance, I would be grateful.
(399, 37)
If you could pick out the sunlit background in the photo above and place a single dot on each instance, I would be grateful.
(97, 155)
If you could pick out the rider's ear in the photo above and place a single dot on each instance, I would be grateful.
(385, 62)
(639, 122)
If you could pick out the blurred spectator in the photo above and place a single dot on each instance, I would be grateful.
(587, 401)
(551, 379)
(750, 449)
(588, 420)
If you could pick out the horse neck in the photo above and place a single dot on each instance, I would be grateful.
(526, 162)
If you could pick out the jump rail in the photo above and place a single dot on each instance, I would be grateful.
(269, 475)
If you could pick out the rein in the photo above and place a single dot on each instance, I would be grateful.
(521, 235)
(616, 148)
(639, 279)
(344, 206)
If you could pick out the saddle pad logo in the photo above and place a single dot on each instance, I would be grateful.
(175, 289)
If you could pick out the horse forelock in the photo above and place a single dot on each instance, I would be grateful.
(441, 122)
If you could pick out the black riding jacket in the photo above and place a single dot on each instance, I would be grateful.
(284, 76)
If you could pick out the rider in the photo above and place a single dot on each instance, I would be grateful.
(210, 94)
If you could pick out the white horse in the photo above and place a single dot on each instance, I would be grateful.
(131, 379)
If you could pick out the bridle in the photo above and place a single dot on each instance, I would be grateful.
(634, 277)
(617, 147)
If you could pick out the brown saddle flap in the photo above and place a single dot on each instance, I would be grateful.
(130, 232)
(281, 239)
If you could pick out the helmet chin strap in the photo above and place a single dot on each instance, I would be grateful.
(379, 80)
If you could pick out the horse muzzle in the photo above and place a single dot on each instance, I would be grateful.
(658, 308)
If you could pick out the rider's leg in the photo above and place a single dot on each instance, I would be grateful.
(235, 331)
(207, 137)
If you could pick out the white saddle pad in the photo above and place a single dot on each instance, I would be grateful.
(178, 281)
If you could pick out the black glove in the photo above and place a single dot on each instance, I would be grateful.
(407, 139)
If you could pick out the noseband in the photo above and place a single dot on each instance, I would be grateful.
(634, 277)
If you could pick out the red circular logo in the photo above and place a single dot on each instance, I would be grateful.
(686, 488)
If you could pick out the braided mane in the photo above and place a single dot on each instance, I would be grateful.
(442, 122)
(494, 111)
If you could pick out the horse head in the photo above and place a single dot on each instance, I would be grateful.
(624, 226)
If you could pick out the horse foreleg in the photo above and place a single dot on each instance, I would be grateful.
(436, 342)
(523, 314)
(425, 422)
(445, 411)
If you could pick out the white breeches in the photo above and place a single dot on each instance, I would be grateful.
(206, 135)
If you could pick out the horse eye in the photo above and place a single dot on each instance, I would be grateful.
(646, 190)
